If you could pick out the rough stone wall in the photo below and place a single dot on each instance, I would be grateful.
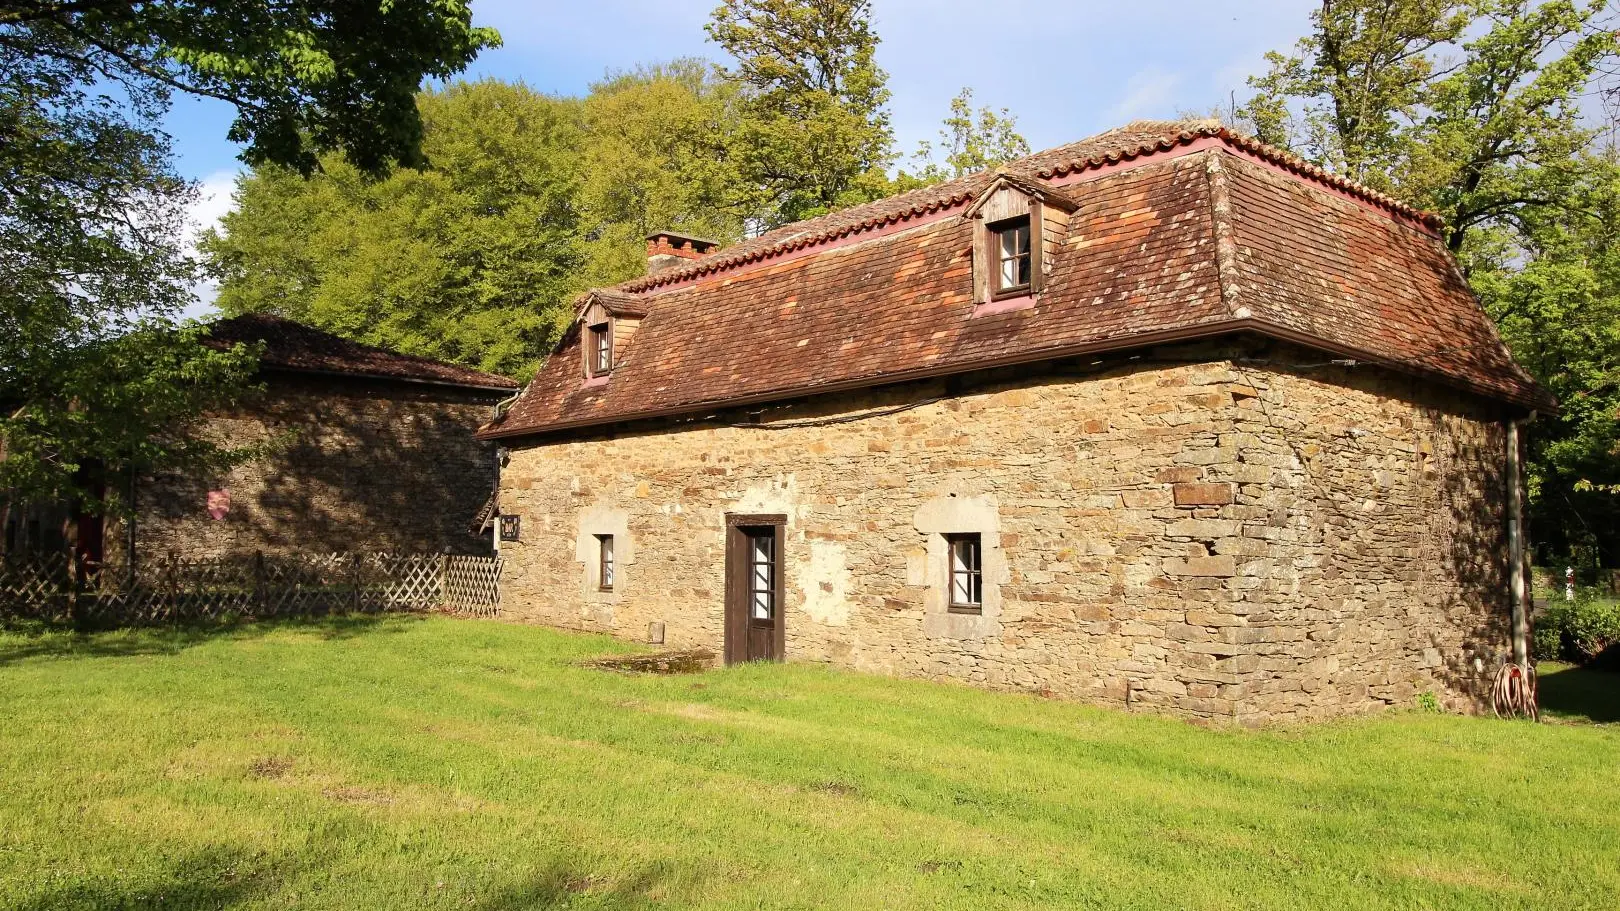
(352, 465)
(1188, 532)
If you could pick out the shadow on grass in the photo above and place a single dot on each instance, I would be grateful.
(1580, 693)
(34, 640)
(198, 879)
(562, 886)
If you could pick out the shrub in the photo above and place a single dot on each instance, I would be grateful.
(1581, 631)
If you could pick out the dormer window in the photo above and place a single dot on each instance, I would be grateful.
(1019, 225)
(1010, 240)
(601, 349)
(606, 325)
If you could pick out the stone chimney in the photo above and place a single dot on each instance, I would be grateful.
(666, 249)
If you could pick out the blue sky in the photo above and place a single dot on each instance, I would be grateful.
(1066, 69)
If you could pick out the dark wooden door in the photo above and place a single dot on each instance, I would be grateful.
(754, 585)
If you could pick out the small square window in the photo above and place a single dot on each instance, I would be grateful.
(605, 564)
(966, 574)
(1012, 258)
(601, 349)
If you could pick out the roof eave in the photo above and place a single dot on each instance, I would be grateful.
(1535, 399)
(366, 375)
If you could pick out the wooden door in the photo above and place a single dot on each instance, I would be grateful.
(754, 586)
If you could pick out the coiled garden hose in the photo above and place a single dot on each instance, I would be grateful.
(1514, 695)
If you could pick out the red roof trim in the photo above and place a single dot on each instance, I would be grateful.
(1187, 142)
(1295, 165)
(880, 226)
(1097, 169)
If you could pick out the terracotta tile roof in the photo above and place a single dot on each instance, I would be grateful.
(1127, 143)
(1183, 230)
(620, 303)
(1342, 275)
(293, 346)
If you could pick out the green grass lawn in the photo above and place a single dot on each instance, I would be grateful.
(438, 763)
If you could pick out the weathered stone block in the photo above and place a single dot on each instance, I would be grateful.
(1201, 566)
(1148, 498)
(1204, 529)
(1212, 618)
(1178, 474)
(1202, 494)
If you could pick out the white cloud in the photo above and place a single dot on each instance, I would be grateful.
(212, 203)
(1149, 92)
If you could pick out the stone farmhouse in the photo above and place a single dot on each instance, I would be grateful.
(366, 450)
(1163, 418)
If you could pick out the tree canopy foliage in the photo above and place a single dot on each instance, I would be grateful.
(970, 141)
(304, 77)
(815, 135)
(447, 262)
(531, 199)
(97, 373)
(658, 155)
(1474, 109)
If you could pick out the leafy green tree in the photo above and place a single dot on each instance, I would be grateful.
(815, 135)
(1378, 92)
(971, 141)
(97, 374)
(92, 277)
(1473, 109)
(1553, 284)
(304, 76)
(473, 260)
(1351, 85)
(529, 200)
(1503, 135)
(657, 156)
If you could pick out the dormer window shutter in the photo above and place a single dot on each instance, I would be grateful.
(982, 267)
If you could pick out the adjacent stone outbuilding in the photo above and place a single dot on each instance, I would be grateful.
(1163, 418)
(365, 450)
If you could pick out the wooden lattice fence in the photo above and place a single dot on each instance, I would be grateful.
(472, 585)
(255, 587)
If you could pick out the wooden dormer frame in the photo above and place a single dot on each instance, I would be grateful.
(1006, 199)
(993, 231)
(621, 314)
(593, 347)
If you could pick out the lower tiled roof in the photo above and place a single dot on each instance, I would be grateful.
(293, 346)
(1206, 241)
